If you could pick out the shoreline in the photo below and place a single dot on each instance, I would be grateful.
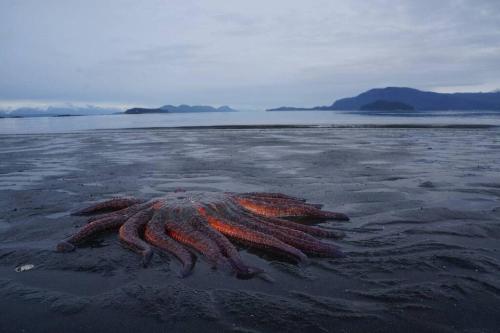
(270, 127)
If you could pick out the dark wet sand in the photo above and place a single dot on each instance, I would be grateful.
(422, 246)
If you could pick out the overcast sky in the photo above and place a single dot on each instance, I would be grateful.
(247, 54)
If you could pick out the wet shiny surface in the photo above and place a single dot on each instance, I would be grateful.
(423, 249)
(255, 118)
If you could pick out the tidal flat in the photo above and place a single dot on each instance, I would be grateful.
(422, 247)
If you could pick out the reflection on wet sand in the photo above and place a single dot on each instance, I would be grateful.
(422, 246)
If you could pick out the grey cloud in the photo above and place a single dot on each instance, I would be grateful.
(253, 54)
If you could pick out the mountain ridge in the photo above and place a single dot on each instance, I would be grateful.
(417, 99)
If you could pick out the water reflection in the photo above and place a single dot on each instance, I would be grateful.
(334, 118)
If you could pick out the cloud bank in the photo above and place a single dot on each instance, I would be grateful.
(251, 54)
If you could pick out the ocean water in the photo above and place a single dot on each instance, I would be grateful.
(255, 118)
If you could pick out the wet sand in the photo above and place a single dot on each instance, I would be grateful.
(423, 244)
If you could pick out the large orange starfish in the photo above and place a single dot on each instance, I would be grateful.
(205, 221)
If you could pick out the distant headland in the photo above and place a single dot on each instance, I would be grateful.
(399, 98)
(383, 105)
(179, 109)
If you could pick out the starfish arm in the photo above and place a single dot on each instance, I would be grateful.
(155, 235)
(281, 201)
(89, 230)
(299, 240)
(271, 195)
(228, 249)
(289, 202)
(310, 230)
(296, 238)
(277, 198)
(264, 208)
(108, 205)
(127, 212)
(130, 234)
(182, 231)
(254, 238)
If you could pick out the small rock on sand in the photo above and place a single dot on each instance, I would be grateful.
(427, 184)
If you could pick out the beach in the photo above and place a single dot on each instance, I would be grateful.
(422, 247)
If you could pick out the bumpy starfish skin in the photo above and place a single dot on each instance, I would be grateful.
(285, 208)
(206, 221)
(156, 236)
(130, 234)
(109, 205)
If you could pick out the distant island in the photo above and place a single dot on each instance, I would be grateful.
(57, 111)
(383, 105)
(179, 109)
(90, 110)
(405, 98)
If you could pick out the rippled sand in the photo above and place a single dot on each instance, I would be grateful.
(423, 244)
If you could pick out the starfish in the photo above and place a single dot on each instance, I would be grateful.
(205, 222)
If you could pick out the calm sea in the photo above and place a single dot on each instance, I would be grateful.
(256, 118)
